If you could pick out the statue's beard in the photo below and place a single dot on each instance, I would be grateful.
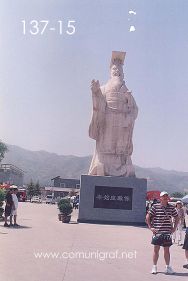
(115, 81)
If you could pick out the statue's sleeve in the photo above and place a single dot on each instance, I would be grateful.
(98, 114)
(132, 117)
(132, 107)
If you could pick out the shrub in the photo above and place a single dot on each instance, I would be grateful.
(65, 207)
(1, 211)
(2, 198)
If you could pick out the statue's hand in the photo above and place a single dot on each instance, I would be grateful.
(95, 86)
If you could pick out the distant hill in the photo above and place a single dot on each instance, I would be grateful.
(42, 166)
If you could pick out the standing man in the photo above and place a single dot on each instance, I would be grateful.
(8, 206)
(159, 220)
(14, 207)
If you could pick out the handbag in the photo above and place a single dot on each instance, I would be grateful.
(164, 239)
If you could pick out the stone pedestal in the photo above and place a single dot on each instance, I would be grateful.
(114, 200)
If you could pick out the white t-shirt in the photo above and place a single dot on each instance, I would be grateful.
(15, 200)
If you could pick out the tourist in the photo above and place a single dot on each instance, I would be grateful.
(76, 202)
(159, 220)
(179, 229)
(14, 207)
(185, 245)
(8, 206)
(147, 206)
(185, 209)
(155, 201)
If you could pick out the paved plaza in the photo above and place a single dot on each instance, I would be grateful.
(44, 249)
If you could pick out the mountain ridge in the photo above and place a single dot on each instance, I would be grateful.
(42, 166)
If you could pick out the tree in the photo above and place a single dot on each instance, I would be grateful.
(31, 189)
(2, 198)
(37, 189)
(3, 150)
(72, 193)
(177, 194)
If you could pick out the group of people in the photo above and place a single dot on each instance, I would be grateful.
(165, 221)
(75, 201)
(11, 201)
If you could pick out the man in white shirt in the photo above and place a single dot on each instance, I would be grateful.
(14, 207)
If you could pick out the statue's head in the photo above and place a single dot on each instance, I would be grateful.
(116, 70)
(116, 66)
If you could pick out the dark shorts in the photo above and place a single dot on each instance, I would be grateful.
(185, 245)
(8, 210)
(162, 239)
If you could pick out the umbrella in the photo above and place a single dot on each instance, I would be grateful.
(5, 186)
(14, 186)
(185, 199)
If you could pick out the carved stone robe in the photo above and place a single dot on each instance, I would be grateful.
(114, 114)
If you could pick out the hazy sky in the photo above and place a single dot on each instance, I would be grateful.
(45, 98)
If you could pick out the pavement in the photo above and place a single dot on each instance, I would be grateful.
(45, 249)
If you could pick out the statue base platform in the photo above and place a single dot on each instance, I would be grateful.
(112, 200)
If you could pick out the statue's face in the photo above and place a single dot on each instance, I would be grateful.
(117, 71)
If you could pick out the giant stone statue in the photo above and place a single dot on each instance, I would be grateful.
(113, 117)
